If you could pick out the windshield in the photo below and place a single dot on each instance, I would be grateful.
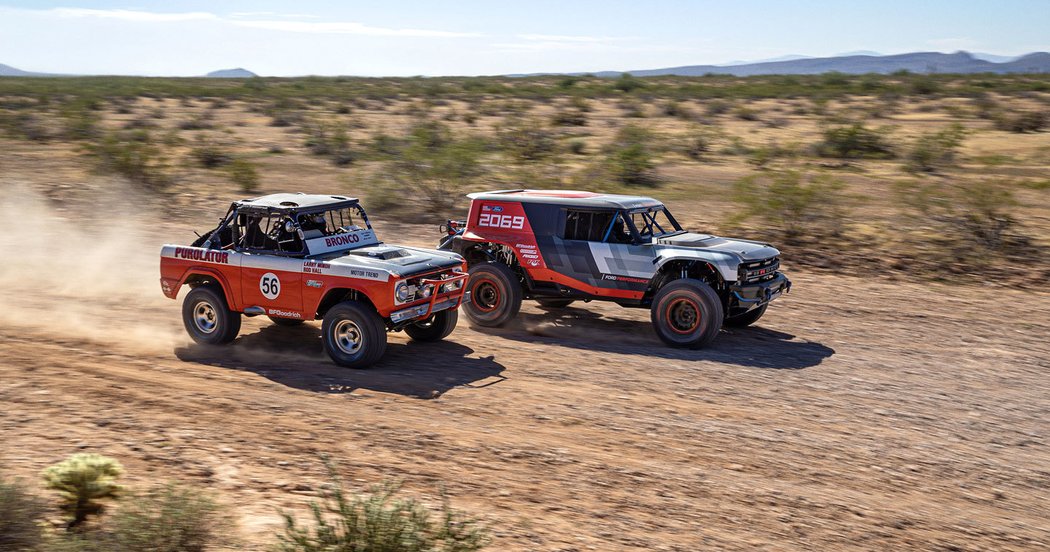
(336, 221)
(654, 222)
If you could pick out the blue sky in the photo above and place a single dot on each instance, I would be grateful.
(491, 37)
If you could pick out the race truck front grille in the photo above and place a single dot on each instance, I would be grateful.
(424, 286)
(753, 272)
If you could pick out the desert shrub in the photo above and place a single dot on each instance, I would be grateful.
(200, 121)
(569, 117)
(79, 123)
(168, 519)
(745, 114)
(433, 166)
(20, 514)
(381, 521)
(1028, 121)
(244, 174)
(329, 138)
(470, 118)
(924, 86)
(674, 108)
(762, 156)
(578, 147)
(581, 104)
(855, 142)
(25, 126)
(630, 157)
(208, 154)
(342, 109)
(628, 83)
(793, 204)
(967, 213)
(134, 155)
(633, 109)
(83, 481)
(714, 108)
(526, 140)
(935, 150)
(697, 144)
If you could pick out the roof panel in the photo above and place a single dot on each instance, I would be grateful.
(295, 201)
(575, 198)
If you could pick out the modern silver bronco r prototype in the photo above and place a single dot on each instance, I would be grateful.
(557, 247)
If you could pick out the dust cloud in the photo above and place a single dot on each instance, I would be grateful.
(85, 274)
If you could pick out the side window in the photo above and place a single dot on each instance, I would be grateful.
(589, 225)
(267, 232)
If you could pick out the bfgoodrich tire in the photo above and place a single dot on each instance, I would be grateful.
(553, 303)
(495, 294)
(746, 319)
(434, 328)
(208, 318)
(687, 313)
(353, 335)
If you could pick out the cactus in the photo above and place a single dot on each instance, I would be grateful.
(83, 480)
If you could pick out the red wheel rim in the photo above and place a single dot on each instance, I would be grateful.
(683, 315)
(485, 295)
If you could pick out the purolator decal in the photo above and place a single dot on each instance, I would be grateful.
(206, 255)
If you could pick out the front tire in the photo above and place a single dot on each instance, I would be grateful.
(548, 303)
(495, 294)
(289, 322)
(208, 318)
(687, 313)
(746, 319)
(434, 328)
(353, 335)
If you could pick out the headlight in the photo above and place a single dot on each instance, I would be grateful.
(427, 291)
(401, 292)
(451, 286)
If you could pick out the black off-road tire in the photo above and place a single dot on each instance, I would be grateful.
(687, 313)
(353, 335)
(746, 319)
(208, 318)
(549, 303)
(434, 328)
(495, 294)
(289, 322)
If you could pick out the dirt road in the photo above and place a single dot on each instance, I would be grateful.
(858, 415)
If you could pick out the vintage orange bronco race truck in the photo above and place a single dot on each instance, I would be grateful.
(296, 257)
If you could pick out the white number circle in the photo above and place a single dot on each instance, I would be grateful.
(269, 285)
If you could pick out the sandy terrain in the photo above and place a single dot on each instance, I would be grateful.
(860, 414)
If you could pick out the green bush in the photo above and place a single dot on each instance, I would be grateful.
(526, 140)
(244, 174)
(578, 147)
(569, 117)
(965, 213)
(630, 157)
(935, 150)
(20, 515)
(792, 204)
(133, 154)
(209, 154)
(1029, 121)
(855, 142)
(83, 480)
(628, 83)
(25, 126)
(379, 521)
(169, 519)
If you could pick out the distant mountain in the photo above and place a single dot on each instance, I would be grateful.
(237, 73)
(916, 62)
(994, 58)
(8, 71)
(789, 57)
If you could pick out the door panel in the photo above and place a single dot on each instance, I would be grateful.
(258, 285)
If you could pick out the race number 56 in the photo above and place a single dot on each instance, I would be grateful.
(269, 285)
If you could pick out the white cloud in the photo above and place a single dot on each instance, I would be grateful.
(346, 27)
(276, 22)
(568, 38)
(132, 15)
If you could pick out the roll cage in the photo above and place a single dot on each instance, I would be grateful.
(634, 226)
(280, 230)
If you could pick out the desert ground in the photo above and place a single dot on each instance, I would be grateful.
(872, 408)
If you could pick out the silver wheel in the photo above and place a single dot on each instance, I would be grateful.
(204, 317)
(347, 336)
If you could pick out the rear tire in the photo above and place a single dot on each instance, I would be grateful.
(434, 328)
(554, 303)
(208, 318)
(687, 313)
(285, 321)
(746, 319)
(353, 335)
(495, 294)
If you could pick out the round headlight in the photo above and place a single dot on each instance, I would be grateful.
(428, 290)
(401, 292)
